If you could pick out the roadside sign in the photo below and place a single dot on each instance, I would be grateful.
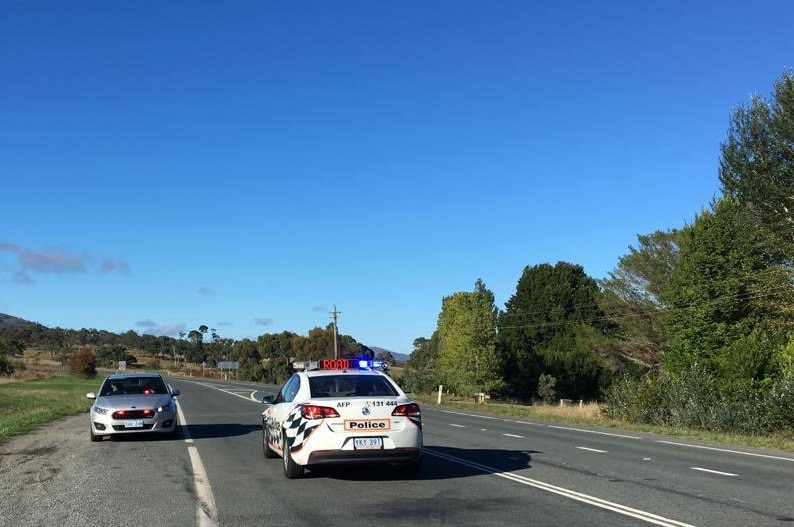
(228, 365)
(122, 365)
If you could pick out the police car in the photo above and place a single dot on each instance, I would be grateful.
(341, 411)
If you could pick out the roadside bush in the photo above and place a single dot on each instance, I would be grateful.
(83, 363)
(546, 390)
(5, 366)
(697, 400)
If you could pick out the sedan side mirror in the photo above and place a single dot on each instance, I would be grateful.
(268, 399)
(90, 395)
(175, 392)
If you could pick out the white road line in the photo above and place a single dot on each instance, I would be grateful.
(472, 415)
(726, 450)
(714, 471)
(567, 493)
(206, 512)
(246, 398)
(592, 449)
(483, 430)
(456, 426)
(513, 435)
(593, 432)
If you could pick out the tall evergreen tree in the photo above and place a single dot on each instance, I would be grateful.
(553, 324)
(757, 164)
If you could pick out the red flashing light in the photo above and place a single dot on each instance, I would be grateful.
(148, 413)
(408, 410)
(311, 411)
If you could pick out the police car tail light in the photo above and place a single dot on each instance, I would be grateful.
(408, 410)
(311, 411)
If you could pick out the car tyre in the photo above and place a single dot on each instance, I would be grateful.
(269, 454)
(94, 438)
(291, 469)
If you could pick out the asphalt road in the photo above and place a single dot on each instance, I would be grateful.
(479, 470)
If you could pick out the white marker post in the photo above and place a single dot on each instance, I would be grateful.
(440, 387)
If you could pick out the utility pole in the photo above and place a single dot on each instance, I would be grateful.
(335, 314)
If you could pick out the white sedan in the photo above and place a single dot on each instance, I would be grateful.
(344, 411)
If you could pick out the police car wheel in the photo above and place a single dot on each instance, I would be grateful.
(94, 437)
(291, 469)
(269, 454)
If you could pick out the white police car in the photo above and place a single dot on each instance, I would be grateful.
(341, 411)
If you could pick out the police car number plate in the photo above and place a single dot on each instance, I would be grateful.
(368, 443)
(133, 424)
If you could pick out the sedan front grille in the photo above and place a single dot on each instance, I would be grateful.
(133, 414)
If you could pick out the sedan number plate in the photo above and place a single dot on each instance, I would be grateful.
(368, 443)
(134, 424)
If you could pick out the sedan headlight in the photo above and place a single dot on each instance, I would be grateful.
(168, 407)
(100, 411)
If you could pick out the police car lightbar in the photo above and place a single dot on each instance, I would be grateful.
(340, 364)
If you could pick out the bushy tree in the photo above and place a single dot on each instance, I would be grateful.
(723, 295)
(83, 362)
(5, 366)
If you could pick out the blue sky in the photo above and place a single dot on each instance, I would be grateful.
(247, 165)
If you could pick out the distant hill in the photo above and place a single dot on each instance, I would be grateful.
(9, 322)
(402, 357)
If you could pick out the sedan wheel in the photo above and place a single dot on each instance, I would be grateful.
(291, 469)
(269, 454)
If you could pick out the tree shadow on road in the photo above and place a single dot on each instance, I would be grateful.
(439, 462)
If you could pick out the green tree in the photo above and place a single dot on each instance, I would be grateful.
(723, 312)
(467, 359)
(553, 324)
(634, 297)
(421, 374)
(757, 164)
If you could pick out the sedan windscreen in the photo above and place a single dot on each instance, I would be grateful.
(134, 386)
(336, 386)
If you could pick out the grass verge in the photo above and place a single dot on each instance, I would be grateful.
(25, 405)
(590, 414)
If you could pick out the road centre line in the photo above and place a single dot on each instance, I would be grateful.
(456, 426)
(592, 449)
(567, 493)
(726, 450)
(206, 511)
(593, 432)
(513, 435)
(714, 471)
